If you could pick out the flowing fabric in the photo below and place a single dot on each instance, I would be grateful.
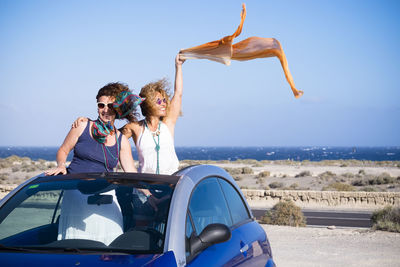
(254, 47)
(125, 103)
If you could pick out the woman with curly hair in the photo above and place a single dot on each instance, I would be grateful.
(154, 135)
(98, 146)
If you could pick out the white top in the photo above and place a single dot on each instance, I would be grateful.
(146, 147)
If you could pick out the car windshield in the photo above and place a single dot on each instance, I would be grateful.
(100, 214)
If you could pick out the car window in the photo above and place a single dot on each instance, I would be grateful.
(39, 208)
(235, 202)
(207, 205)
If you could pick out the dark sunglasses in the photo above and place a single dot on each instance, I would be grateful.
(102, 105)
(159, 101)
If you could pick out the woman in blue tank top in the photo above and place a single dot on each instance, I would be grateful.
(98, 145)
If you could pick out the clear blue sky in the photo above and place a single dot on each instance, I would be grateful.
(344, 55)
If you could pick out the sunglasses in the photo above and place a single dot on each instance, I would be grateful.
(102, 105)
(159, 101)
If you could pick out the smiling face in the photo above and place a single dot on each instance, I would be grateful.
(154, 94)
(105, 113)
(160, 105)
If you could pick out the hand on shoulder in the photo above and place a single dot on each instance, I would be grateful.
(131, 128)
(79, 121)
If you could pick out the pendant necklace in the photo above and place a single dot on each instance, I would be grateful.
(157, 143)
(105, 148)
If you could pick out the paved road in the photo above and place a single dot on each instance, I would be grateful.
(327, 218)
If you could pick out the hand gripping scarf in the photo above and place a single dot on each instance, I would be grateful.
(101, 130)
(254, 47)
(125, 103)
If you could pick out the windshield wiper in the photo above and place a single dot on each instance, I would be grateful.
(21, 249)
(67, 249)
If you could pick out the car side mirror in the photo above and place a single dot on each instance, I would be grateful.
(213, 234)
(100, 199)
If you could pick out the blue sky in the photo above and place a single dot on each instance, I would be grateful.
(344, 55)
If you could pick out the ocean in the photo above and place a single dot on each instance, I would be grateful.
(233, 153)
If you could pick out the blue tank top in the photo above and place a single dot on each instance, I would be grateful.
(89, 155)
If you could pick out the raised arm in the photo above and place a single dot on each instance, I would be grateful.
(176, 102)
(69, 143)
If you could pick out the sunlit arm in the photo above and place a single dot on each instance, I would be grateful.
(69, 143)
(176, 101)
(125, 156)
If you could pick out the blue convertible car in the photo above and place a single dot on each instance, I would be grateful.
(196, 217)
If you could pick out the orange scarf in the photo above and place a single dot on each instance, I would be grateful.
(254, 47)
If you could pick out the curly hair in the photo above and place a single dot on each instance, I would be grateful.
(114, 89)
(148, 106)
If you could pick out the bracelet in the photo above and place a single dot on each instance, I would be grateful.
(62, 164)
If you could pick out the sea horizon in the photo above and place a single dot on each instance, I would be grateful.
(296, 153)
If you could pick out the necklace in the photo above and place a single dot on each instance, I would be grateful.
(157, 147)
(109, 152)
(156, 132)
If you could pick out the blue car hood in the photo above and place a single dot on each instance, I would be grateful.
(18, 259)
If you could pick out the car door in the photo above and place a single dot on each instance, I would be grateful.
(254, 245)
(207, 205)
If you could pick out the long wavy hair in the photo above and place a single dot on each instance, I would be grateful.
(149, 106)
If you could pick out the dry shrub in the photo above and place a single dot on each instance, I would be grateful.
(361, 172)
(258, 164)
(359, 182)
(387, 219)
(383, 178)
(294, 186)
(303, 174)
(247, 170)
(338, 187)
(260, 180)
(235, 171)
(285, 213)
(264, 174)
(348, 175)
(3, 176)
(327, 174)
(369, 189)
(274, 185)
(237, 178)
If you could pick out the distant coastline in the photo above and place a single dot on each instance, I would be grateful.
(300, 153)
